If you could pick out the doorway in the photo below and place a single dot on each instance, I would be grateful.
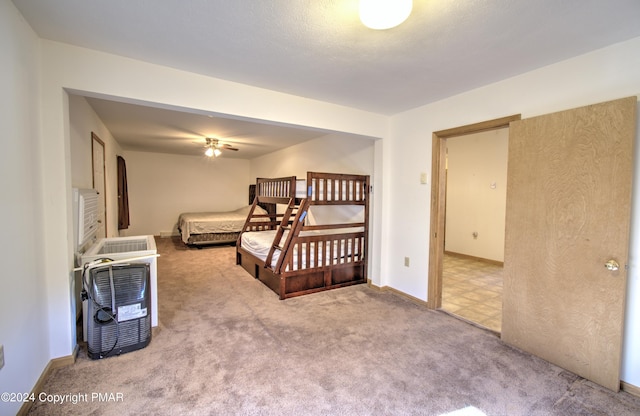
(439, 201)
(475, 206)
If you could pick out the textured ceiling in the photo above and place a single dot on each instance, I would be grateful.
(318, 49)
(142, 128)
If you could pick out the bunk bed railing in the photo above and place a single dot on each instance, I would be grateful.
(276, 190)
(314, 252)
(337, 189)
(269, 191)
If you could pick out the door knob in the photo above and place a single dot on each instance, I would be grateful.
(612, 265)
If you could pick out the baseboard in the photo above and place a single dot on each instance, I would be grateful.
(630, 388)
(397, 292)
(52, 365)
(466, 256)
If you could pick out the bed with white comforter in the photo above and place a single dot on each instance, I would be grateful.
(214, 227)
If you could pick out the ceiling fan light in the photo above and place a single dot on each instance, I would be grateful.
(216, 152)
(384, 14)
(209, 152)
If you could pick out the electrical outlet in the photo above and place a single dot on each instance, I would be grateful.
(406, 261)
(1, 356)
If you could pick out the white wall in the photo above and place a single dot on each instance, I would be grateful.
(82, 121)
(161, 186)
(602, 75)
(477, 194)
(338, 153)
(24, 329)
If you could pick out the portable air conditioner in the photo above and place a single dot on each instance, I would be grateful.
(118, 309)
(124, 248)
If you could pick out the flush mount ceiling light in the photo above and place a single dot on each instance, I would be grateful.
(384, 14)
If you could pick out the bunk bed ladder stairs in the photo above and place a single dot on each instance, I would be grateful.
(299, 212)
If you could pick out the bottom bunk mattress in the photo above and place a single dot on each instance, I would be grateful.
(313, 254)
(320, 261)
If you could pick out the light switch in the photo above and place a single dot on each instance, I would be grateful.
(423, 178)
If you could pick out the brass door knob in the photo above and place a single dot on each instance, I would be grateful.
(612, 265)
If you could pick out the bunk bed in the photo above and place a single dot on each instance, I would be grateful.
(318, 242)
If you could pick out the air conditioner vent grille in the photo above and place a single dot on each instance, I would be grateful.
(119, 309)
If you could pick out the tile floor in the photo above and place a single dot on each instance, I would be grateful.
(472, 289)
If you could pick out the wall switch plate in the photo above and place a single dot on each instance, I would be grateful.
(423, 178)
(1, 356)
(406, 261)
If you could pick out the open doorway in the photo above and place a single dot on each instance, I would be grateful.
(475, 206)
(467, 248)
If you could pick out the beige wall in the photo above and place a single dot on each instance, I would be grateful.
(24, 326)
(161, 186)
(82, 121)
(332, 153)
(476, 194)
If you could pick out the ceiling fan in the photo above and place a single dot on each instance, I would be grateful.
(213, 147)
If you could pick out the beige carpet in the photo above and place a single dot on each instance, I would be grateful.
(227, 346)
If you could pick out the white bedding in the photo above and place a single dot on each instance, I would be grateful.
(214, 222)
(259, 243)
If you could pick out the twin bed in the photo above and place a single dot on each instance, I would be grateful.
(200, 228)
(204, 228)
(318, 242)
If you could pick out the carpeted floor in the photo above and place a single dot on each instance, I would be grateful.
(227, 346)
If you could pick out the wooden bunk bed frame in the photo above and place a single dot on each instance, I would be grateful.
(303, 265)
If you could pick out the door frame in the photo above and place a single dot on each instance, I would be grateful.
(438, 194)
(95, 142)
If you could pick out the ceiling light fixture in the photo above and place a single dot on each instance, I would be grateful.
(384, 14)
(212, 152)
(213, 148)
